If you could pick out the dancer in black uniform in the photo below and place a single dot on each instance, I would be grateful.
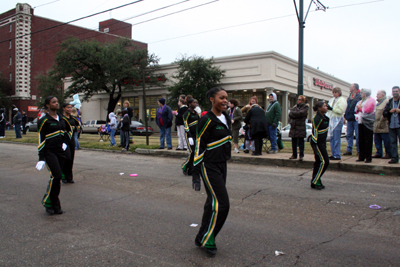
(213, 149)
(318, 144)
(190, 121)
(73, 122)
(54, 135)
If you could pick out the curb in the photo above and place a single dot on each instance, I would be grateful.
(283, 161)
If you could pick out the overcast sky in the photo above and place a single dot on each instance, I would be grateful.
(354, 40)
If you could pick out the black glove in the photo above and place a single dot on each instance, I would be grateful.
(196, 186)
(274, 125)
(329, 107)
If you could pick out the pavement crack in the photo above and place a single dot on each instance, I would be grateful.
(252, 194)
(334, 238)
(305, 173)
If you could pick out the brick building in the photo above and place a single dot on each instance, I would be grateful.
(28, 50)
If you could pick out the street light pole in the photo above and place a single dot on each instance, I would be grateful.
(302, 25)
(300, 83)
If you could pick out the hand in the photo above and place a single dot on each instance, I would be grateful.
(358, 107)
(40, 165)
(393, 110)
(398, 110)
(274, 125)
(64, 146)
(191, 142)
(233, 121)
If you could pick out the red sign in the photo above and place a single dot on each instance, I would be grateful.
(32, 108)
(322, 84)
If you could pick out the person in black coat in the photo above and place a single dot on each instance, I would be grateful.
(2, 122)
(298, 116)
(180, 127)
(24, 121)
(258, 127)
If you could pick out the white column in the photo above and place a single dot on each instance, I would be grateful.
(310, 109)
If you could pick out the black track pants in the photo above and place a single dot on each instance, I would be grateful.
(54, 164)
(216, 208)
(321, 162)
(68, 164)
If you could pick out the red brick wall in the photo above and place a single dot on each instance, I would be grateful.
(46, 44)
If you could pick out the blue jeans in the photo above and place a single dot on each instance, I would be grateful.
(76, 141)
(112, 137)
(378, 138)
(165, 132)
(122, 137)
(272, 137)
(394, 136)
(335, 139)
(352, 126)
(17, 128)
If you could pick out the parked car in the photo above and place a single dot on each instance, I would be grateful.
(31, 126)
(138, 128)
(92, 126)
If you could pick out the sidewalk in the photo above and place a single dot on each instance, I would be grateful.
(348, 163)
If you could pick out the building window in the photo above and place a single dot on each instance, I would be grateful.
(10, 77)
(9, 45)
(10, 61)
(106, 29)
(10, 27)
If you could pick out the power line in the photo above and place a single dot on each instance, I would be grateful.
(253, 22)
(175, 12)
(46, 4)
(98, 33)
(55, 26)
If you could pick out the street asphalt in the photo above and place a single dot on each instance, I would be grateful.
(113, 219)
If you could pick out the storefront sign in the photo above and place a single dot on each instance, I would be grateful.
(322, 84)
(32, 108)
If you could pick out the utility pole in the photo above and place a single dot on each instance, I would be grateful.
(302, 25)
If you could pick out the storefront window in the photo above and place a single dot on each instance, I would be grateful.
(244, 97)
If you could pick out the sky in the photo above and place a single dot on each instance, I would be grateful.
(357, 41)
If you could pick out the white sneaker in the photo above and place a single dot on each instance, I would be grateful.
(237, 150)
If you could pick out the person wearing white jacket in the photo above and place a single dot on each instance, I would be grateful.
(337, 107)
(113, 127)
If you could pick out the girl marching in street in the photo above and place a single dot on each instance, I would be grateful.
(73, 122)
(54, 135)
(213, 149)
(190, 120)
(318, 143)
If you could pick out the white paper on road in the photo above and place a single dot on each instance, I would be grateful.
(279, 253)
(121, 173)
(194, 225)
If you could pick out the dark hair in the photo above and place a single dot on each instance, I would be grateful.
(191, 100)
(356, 86)
(66, 104)
(47, 100)
(213, 91)
(318, 105)
(395, 87)
(234, 101)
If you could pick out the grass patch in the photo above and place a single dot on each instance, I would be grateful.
(93, 141)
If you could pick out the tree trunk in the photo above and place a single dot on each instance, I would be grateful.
(112, 102)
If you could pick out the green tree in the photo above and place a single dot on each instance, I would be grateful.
(195, 77)
(5, 93)
(50, 85)
(95, 68)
